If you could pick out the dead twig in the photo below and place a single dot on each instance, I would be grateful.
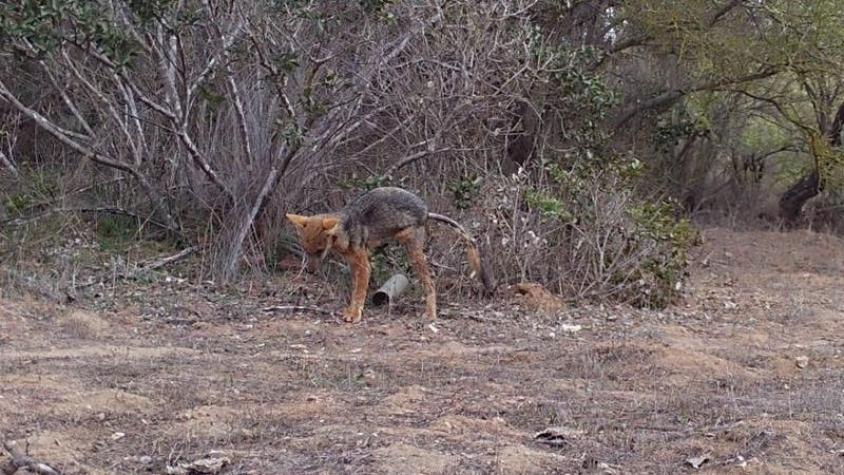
(142, 267)
(169, 259)
(236, 250)
(7, 162)
(412, 158)
(20, 460)
(97, 210)
(299, 308)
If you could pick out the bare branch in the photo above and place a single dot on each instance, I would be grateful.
(58, 86)
(234, 89)
(228, 40)
(412, 158)
(299, 308)
(248, 221)
(727, 8)
(65, 136)
(669, 97)
(88, 152)
(108, 103)
(161, 262)
(201, 163)
(165, 49)
(7, 162)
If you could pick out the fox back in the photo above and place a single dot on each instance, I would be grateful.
(379, 214)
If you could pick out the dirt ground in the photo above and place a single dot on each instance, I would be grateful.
(746, 376)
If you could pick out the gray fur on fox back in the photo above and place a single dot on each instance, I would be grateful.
(379, 213)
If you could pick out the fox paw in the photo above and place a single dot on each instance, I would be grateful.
(352, 315)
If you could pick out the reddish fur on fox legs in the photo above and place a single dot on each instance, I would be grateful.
(358, 260)
(413, 239)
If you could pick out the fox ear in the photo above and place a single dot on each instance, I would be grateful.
(297, 219)
(329, 224)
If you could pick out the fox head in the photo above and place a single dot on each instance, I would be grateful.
(316, 233)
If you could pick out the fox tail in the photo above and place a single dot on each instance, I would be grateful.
(480, 266)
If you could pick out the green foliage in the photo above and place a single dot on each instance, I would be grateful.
(17, 203)
(829, 161)
(582, 98)
(365, 184)
(213, 99)
(465, 191)
(634, 249)
(638, 246)
(547, 205)
(662, 271)
(40, 188)
(286, 62)
(115, 232)
(376, 7)
(689, 31)
(46, 24)
(386, 261)
(668, 133)
(291, 133)
(150, 10)
(379, 10)
(760, 135)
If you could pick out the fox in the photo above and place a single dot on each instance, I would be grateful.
(369, 221)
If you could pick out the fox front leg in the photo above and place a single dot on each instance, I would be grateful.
(359, 262)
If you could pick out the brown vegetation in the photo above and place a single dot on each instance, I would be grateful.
(747, 372)
(155, 310)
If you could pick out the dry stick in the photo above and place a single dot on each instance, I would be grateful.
(412, 158)
(20, 460)
(233, 88)
(178, 115)
(299, 308)
(170, 259)
(101, 97)
(102, 209)
(8, 164)
(246, 225)
(145, 266)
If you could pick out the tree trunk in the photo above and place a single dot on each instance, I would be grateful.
(809, 185)
(792, 201)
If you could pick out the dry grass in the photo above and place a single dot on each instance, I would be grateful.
(185, 371)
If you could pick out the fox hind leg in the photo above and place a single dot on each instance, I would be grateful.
(413, 240)
(359, 262)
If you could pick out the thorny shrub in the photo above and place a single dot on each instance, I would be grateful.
(587, 234)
